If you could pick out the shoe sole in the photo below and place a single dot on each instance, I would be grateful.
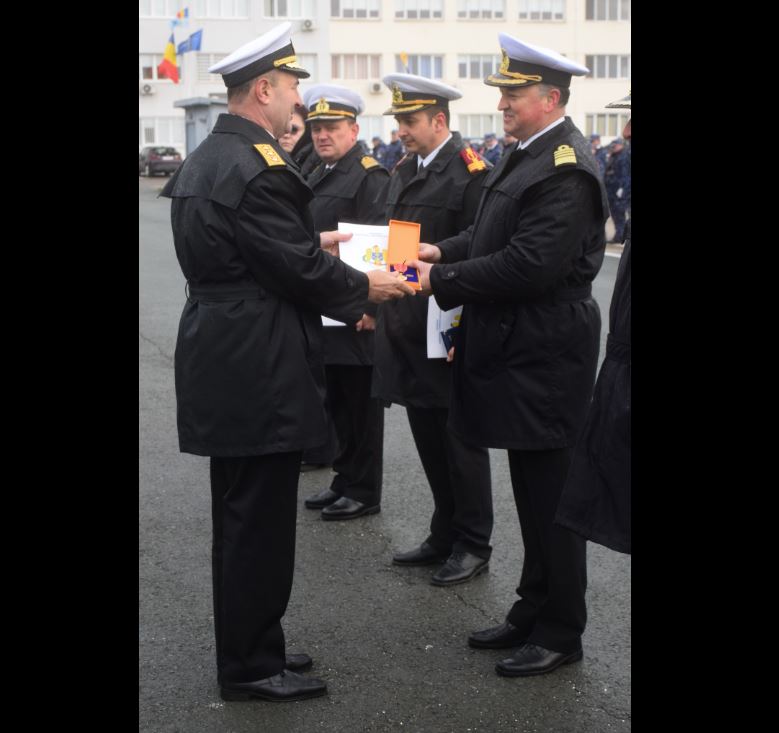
(495, 645)
(337, 517)
(446, 583)
(420, 563)
(566, 660)
(231, 696)
(318, 506)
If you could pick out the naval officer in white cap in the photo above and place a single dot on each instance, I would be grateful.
(436, 185)
(248, 363)
(527, 347)
(345, 185)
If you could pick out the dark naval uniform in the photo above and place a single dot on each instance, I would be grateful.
(346, 193)
(596, 499)
(443, 198)
(527, 352)
(249, 369)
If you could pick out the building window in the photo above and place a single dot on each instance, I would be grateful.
(608, 10)
(356, 66)
(477, 126)
(542, 9)
(474, 66)
(355, 8)
(309, 62)
(204, 62)
(371, 126)
(607, 125)
(419, 9)
(493, 9)
(159, 8)
(423, 65)
(221, 8)
(608, 66)
(147, 67)
(162, 131)
(290, 9)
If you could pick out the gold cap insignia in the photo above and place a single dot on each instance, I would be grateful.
(397, 95)
(504, 64)
(564, 155)
(271, 156)
(322, 106)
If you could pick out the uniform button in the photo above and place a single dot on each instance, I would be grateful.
(450, 274)
(349, 282)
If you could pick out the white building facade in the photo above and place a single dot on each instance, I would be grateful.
(356, 42)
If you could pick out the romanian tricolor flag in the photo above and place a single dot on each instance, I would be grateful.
(182, 18)
(168, 67)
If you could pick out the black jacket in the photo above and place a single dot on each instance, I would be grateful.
(248, 362)
(527, 348)
(346, 193)
(443, 198)
(596, 498)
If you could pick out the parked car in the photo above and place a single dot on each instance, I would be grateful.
(158, 159)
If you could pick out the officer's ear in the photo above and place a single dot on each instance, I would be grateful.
(262, 89)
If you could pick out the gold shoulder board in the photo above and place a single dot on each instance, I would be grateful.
(368, 162)
(472, 161)
(564, 155)
(270, 155)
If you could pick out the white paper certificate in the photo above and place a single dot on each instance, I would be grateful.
(437, 321)
(365, 251)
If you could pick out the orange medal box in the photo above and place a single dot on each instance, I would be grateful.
(403, 246)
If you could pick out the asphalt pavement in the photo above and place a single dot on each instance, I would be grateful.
(391, 647)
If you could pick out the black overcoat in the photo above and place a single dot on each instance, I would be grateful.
(248, 362)
(443, 198)
(527, 348)
(347, 193)
(596, 498)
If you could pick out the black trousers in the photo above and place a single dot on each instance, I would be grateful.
(253, 510)
(551, 609)
(359, 424)
(459, 477)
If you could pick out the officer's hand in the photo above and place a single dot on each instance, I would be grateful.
(383, 285)
(328, 241)
(423, 268)
(450, 354)
(366, 323)
(429, 252)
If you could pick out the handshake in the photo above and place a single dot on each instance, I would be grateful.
(381, 285)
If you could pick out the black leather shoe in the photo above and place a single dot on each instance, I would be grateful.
(319, 501)
(425, 554)
(530, 659)
(460, 567)
(298, 662)
(280, 688)
(498, 637)
(346, 508)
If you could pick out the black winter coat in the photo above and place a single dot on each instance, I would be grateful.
(443, 198)
(596, 498)
(248, 363)
(527, 347)
(347, 193)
